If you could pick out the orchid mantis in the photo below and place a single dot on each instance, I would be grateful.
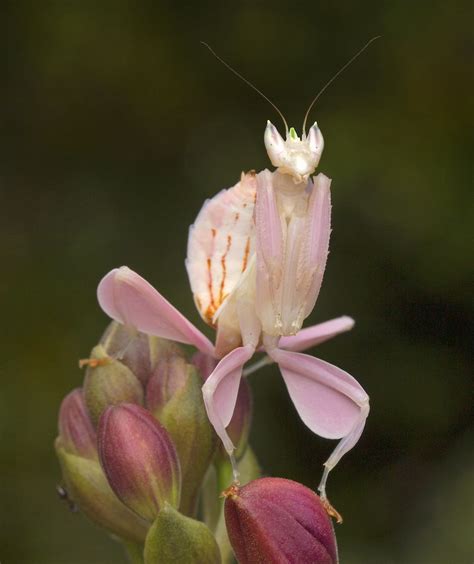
(256, 281)
(256, 258)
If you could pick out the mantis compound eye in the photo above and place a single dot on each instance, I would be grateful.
(275, 145)
(315, 143)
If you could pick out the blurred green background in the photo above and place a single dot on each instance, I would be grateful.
(116, 125)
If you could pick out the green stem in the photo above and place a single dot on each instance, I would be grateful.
(210, 502)
(222, 539)
(224, 474)
(134, 552)
(224, 480)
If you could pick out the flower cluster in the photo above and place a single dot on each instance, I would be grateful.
(135, 443)
(142, 431)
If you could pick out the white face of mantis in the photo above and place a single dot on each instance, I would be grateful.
(294, 156)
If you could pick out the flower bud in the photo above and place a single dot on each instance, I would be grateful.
(174, 396)
(204, 363)
(137, 351)
(278, 520)
(88, 489)
(179, 539)
(139, 459)
(76, 432)
(211, 500)
(109, 383)
(169, 377)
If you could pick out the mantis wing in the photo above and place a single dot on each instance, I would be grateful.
(220, 246)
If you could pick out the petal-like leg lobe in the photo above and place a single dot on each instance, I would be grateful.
(316, 334)
(329, 401)
(220, 391)
(128, 298)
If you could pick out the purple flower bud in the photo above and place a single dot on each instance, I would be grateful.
(169, 377)
(76, 432)
(130, 347)
(139, 459)
(174, 397)
(205, 364)
(278, 520)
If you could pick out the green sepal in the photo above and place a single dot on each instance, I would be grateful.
(88, 488)
(134, 552)
(110, 383)
(180, 540)
(185, 419)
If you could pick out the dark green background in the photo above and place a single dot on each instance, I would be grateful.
(115, 125)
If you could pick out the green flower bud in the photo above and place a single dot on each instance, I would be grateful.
(139, 459)
(180, 540)
(76, 432)
(87, 487)
(109, 382)
(277, 520)
(174, 396)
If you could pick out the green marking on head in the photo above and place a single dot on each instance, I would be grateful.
(293, 134)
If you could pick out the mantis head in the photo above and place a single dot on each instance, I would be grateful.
(294, 156)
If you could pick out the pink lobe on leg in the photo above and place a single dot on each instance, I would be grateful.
(128, 298)
(221, 388)
(317, 231)
(270, 255)
(316, 334)
(328, 399)
(268, 221)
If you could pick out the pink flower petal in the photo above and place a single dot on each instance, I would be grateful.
(130, 299)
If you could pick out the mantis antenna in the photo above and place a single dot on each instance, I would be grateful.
(220, 59)
(339, 72)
